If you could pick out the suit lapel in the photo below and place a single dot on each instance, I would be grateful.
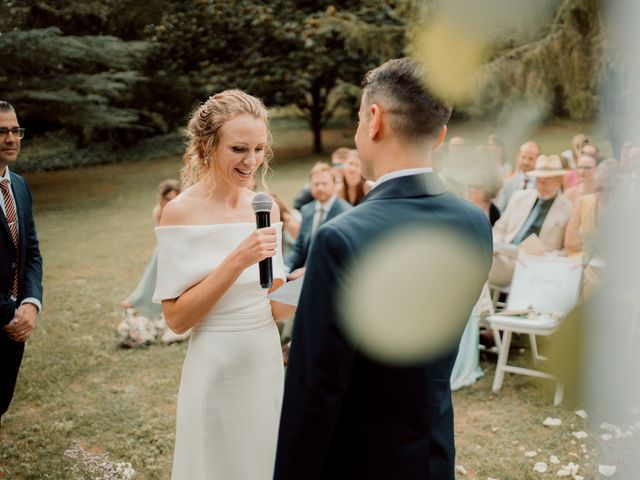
(550, 221)
(5, 224)
(525, 209)
(333, 211)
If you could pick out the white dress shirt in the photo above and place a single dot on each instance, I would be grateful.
(326, 206)
(402, 173)
(6, 176)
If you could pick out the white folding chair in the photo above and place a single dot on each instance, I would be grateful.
(486, 307)
(545, 285)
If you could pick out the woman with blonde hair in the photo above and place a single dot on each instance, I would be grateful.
(208, 280)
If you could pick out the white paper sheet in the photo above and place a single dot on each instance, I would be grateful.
(289, 293)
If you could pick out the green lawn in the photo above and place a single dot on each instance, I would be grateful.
(77, 387)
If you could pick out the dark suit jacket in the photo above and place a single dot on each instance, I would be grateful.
(29, 262)
(298, 256)
(346, 415)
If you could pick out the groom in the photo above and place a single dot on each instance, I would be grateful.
(346, 415)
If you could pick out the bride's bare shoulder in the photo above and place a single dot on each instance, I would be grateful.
(179, 211)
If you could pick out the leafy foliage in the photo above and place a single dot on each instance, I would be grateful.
(287, 52)
(121, 69)
(562, 66)
(85, 84)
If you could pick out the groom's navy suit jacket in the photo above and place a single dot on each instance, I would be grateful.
(346, 415)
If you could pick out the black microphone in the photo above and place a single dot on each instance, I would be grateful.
(262, 204)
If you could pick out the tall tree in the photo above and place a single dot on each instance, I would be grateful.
(66, 64)
(84, 84)
(287, 52)
(562, 64)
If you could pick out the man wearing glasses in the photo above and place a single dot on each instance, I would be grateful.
(20, 260)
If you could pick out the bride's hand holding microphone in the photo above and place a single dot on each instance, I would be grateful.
(260, 245)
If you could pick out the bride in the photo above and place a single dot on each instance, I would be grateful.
(208, 249)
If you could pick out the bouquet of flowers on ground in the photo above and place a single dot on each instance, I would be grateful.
(138, 331)
(91, 466)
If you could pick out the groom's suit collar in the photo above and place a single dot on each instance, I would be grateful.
(408, 186)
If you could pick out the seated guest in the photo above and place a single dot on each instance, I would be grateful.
(526, 161)
(290, 223)
(586, 217)
(571, 156)
(482, 193)
(456, 144)
(587, 209)
(543, 212)
(631, 161)
(624, 155)
(326, 206)
(592, 150)
(338, 157)
(495, 148)
(585, 169)
(353, 186)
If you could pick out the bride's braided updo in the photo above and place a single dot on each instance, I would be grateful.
(203, 132)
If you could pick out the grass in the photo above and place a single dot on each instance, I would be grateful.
(77, 387)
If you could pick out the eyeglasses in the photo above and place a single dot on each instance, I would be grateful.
(16, 132)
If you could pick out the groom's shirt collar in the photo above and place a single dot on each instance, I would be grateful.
(402, 173)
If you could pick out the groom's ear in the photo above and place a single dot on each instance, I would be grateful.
(376, 119)
(441, 136)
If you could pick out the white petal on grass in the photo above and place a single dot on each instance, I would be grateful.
(624, 434)
(552, 422)
(563, 473)
(461, 470)
(609, 427)
(607, 470)
(606, 436)
(572, 468)
(580, 435)
(530, 454)
(555, 460)
(581, 414)
(540, 467)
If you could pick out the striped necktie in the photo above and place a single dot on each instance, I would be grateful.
(317, 221)
(12, 220)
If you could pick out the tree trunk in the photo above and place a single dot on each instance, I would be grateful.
(315, 117)
(317, 138)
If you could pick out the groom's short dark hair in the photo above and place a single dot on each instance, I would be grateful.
(413, 112)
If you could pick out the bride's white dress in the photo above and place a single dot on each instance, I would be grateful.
(232, 378)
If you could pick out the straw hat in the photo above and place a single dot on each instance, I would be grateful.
(548, 166)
